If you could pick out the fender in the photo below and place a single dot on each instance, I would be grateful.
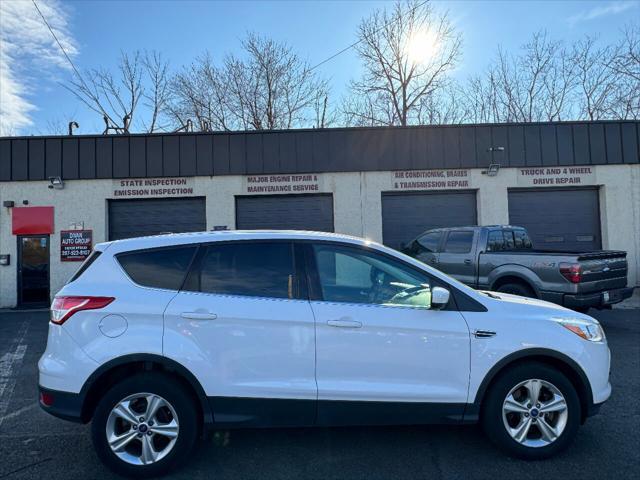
(167, 363)
(472, 412)
(518, 271)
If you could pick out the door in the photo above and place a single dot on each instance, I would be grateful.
(243, 325)
(406, 215)
(383, 356)
(33, 270)
(153, 216)
(558, 219)
(285, 212)
(457, 256)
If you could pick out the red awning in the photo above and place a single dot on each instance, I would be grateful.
(31, 220)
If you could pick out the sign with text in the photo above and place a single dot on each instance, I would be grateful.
(295, 183)
(431, 179)
(75, 245)
(153, 187)
(556, 176)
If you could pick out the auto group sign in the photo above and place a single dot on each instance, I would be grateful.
(75, 245)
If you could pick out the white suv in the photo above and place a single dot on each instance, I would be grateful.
(157, 339)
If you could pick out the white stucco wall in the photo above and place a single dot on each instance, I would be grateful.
(357, 210)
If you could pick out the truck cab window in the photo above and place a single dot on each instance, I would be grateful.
(459, 242)
(522, 240)
(495, 241)
(509, 243)
(430, 241)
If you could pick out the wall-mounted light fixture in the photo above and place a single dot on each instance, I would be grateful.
(8, 203)
(56, 182)
(492, 171)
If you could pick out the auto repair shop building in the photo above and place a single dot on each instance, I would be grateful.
(574, 185)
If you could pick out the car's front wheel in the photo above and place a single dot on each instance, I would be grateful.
(532, 411)
(144, 425)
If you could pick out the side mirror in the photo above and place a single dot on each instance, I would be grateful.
(439, 297)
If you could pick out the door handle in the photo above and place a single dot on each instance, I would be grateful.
(344, 323)
(467, 262)
(199, 315)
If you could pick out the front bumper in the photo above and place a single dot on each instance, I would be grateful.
(65, 405)
(597, 299)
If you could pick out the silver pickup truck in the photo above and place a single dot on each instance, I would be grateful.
(501, 258)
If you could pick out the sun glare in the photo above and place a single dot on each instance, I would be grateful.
(422, 46)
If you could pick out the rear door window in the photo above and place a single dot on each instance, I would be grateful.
(495, 241)
(509, 242)
(459, 241)
(522, 240)
(158, 268)
(258, 269)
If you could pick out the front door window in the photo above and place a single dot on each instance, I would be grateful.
(357, 276)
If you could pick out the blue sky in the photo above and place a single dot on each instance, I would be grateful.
(96, 31)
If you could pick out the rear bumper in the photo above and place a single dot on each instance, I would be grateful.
(597, 299)
(65, 405)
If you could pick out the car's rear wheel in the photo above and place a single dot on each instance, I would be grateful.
(532, 411)
(144, 425)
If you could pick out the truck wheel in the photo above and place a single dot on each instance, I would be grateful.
(532, 411)
(517, 289)
(144, 425)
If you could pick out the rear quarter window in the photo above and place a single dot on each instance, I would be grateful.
(85, 265)
(159, 268)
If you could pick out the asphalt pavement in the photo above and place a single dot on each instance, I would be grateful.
(34, 445)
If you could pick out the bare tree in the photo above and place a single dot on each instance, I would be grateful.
(156, 94)
(532, 85)
(626, 66)
(407, 54)
(446, 106)
(116, 97)
(201, 94)
(596, 79)
(268, 87)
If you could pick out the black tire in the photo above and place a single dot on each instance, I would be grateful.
(492, 416)
(170, 390)
(517, 289)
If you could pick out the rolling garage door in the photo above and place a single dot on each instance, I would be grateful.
(136, 218)
(285, 212)
(566, 220)
(406, 215)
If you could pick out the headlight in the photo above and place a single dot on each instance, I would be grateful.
(589, 330)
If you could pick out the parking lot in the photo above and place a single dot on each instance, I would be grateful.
(36, 445)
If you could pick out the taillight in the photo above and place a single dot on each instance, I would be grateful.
(571, 271)
(63, 307)
(46, 399)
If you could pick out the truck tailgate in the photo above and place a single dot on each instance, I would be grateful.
(602, 271)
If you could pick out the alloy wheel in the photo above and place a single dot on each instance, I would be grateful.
(142, 429)
(535, 413)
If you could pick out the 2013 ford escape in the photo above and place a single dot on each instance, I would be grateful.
(156, 339)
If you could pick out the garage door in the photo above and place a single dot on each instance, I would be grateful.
(566, 220)
(136, 218)
(406, 215)
(285, 212)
